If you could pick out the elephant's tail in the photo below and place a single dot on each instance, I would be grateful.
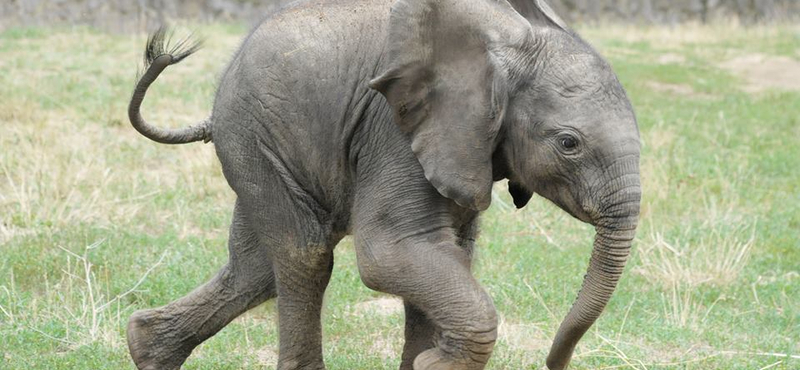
(157, 56)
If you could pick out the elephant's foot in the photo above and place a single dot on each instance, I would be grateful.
(155, 343)
(296, 365)
(435, 359)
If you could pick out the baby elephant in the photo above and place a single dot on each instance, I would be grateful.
(390, 121)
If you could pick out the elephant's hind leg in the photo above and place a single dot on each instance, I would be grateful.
(162, 338)
(298, 236)
(301, 287)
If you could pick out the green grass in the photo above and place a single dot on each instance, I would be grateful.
(96, 221)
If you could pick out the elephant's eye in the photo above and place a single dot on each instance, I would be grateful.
(568, 143)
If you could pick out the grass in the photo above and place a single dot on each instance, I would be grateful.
(96, 221)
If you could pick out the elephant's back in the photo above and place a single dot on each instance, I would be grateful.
(298, 84)
(310, 55)
(318, 37)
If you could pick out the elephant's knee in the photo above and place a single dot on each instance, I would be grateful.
(374, 276)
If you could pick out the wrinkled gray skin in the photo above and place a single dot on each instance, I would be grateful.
(341, 117)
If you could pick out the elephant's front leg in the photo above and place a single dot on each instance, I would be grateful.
(435, 277)
(420, 332)
(431, 272)
(419, 335)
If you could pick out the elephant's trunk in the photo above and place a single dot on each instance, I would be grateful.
(615, 232)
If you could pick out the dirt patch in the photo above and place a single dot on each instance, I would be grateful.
(764, 72)
(670, 58)
(267, 356)
(526, 337)
(387, 347)
(384, 306)
(677, 89)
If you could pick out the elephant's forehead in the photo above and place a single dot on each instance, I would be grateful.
(600, 108)
(596, 98)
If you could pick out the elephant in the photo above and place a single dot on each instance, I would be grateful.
(390, 120)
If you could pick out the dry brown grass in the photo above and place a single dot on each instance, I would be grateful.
(85, 308)
(715, 259)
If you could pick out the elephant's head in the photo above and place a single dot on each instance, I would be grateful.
(489, 89)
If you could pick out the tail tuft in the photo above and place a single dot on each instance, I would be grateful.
(160, 43)
(160, 53)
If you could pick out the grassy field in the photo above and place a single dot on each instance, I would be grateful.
(97, 221)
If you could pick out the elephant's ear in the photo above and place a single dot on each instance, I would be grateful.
(447, 89)
(534, 10)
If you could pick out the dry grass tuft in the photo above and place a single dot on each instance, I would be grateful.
(86, 311)
(715, 258)
(682, 309)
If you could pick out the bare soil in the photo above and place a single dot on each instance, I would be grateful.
(527, 337)
(677, 89)
(764, 72)
(384, 306)
(671, 58)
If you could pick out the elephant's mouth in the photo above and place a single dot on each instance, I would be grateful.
(519, 193)
(575, 210)
(563, 199)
